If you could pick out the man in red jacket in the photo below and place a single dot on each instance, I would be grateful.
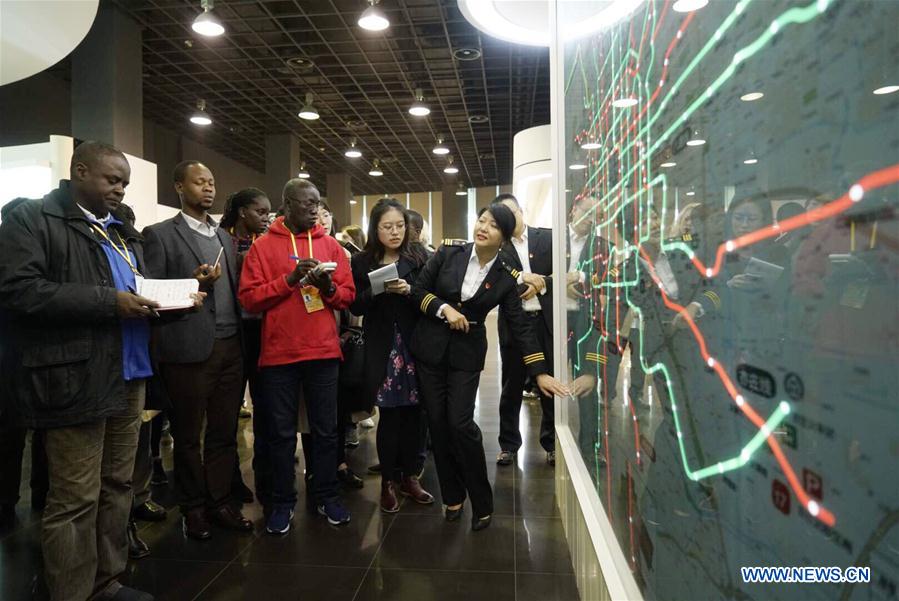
(286, 278)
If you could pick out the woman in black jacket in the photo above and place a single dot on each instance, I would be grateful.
(390, 374)
(460, 284)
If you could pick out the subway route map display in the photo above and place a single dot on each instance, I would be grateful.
(732, 182)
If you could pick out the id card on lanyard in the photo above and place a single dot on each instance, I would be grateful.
(312, 298)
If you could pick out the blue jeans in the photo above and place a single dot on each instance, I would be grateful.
(276, 440)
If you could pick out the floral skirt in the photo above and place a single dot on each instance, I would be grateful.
(400, 385)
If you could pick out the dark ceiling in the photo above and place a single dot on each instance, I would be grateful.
(363, 83)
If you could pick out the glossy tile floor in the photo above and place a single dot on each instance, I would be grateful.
(413, 555)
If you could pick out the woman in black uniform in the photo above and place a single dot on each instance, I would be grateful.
(460, 284)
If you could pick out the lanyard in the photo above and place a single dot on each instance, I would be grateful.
(252, 236)
(293, 241)
(125, 254)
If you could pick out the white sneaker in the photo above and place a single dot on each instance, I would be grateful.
(367, 423)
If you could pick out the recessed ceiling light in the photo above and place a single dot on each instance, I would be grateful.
(303, 174)
(300, 64)
(441, 148)
(467, 54)
(206, 22)
(375, 170)
(577, 166)
(308, 112)
(668, 164)
(886, 90)
(450, 168)
(591, 145)
(623, 103)
(751, 96)
(373, 18)
(685, 6)
(200, 116)
(478, 119)
(352, 152)
(419, 108)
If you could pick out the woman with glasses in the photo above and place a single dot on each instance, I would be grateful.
(455, 291)
(390, 373)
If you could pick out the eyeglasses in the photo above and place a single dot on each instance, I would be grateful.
(745, 219)
(392, 227)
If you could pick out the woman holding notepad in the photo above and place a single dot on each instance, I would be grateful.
(390, 374)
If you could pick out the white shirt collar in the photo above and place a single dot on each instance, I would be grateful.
(523, 237)
(91, 217)
(207, 228)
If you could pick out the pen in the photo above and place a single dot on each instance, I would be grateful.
(218, 258)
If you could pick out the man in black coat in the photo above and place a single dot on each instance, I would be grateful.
(75, 362)
(200, 357)
(530, 252)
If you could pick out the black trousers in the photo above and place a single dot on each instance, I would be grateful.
(210, 390)
(399, 441)
(513, 377)
(449, 398)
(12, 450)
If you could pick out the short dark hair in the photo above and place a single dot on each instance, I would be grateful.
(507, 196)
(415, 219)
(295, 184)
(90, 151)
(503, 217)
(237, 201)
(180, 171)
(789, 209)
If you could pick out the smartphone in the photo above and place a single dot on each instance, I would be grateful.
(328, 266)
(391, 281)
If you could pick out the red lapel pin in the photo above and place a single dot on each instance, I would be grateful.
(487, 286)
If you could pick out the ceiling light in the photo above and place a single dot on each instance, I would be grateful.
(303, 174)
(308, 112)
(591, 145)
(373, 18)
(352, 152)
(467, 54)
(450, 168)
(419, 108)
(691, 192)
(668, 164)
(461, 191)
(886, 90)
(623, 103)
(441, 148)
(696, 139)
(375, 169)
(751, 96)
(201, 117)
(686, 6)
(206, 22)
(353, 201)
(750, 159)
(577, 166)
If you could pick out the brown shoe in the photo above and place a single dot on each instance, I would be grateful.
(389, 503)
(411, 487)
(195, 524)
(228, 517)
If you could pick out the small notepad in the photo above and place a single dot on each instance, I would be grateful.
(170, 294)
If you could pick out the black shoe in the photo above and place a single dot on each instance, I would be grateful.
(374, 469)
(195, 525)
(349, 478)
(159, 475)
(505, 458)
(149, 512)
(229, 518)
(453, 515)
(241, 492)
(137, 549)
(551, 457)
(480, 523)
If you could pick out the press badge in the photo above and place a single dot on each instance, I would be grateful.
(312, 298)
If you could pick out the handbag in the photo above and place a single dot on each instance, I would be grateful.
(351, 377)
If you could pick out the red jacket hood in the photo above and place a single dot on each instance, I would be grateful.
(279, 229)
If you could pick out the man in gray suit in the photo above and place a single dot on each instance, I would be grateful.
(200, 356)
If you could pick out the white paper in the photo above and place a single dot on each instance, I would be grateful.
(379, 276)
(170, 294)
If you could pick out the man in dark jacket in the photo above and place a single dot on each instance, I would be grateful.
(200, 356)
(75, 361)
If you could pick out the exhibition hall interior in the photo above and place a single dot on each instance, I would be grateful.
(610, 292)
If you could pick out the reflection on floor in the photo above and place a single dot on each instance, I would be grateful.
(413, 555)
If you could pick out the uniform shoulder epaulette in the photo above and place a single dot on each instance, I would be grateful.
(511, 270)
(690, 239)
(454, 242)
